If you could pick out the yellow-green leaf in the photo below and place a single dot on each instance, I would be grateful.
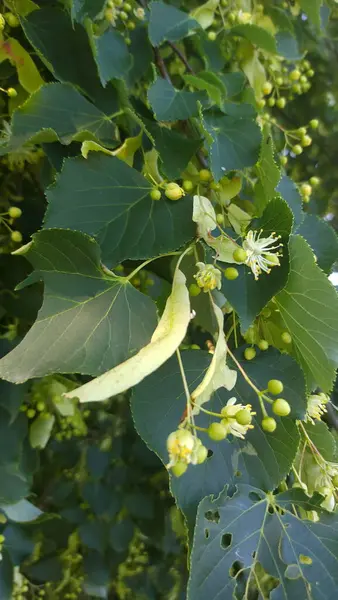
(28, 75)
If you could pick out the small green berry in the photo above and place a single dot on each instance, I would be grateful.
(220, 219)
(131, 25)
(11, 92)
(263, 345)
(40, 406)
(294, 75)
(249, 353)
(297, 88)
(314, 181)
(243, 417)
(127, 7)
(2, 22)
(306, 189)
(281, 102)
(286, 337)
(155, 194)
(16, 237)
(283, 160)
(179, 469)
(123, 15)
(261, 103)
(2, 538)
(14, 212)
(194, 290)
(281, 407)
(297, 149)
(314, 123)
(202, 455)
(12, 20)
(275, 387)
(205, 175)
(271, 102)
(240, 255)
(31, 413)
(187, 185)
(212, 35)
(269, 424)
(217, 431)
(267, 88)
(310, 73)
(279, 81)
(306, 141)
(231, 273)
(173, 191)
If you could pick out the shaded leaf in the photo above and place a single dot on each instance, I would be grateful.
(175, 150)
(322, 239)
(89, 320)
(312, 9)
(309, 308)
(22, 512)
(6, 577)
(82, 9)
(300, 554)
(236, 143)
(105, 197)
(247, 295)
(256, 35)
(168, 23)
(112, 56)
(205, 13)
(292, 197)
(170, 104)
(57, 112)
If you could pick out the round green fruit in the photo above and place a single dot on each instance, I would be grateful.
(314, 181)
(249, 353)
(16, 237)
(275, 387)
(281, 407)
(239, 255)
(187, 185)
(281, 102)
(286, 337)
(243, 417)
(263, 345)
(231, 273)
(202, 455)
(269, 424)
(11, 92)
(212, 35)
(217, 431)
(306, 141)
(14, 212)
(194, 290)
(267, 88)
(297, 149)
(205, 175)
(179, 469)
(173, 191)
(314, 123)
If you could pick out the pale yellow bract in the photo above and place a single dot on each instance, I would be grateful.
(218, 374)
(166, 338)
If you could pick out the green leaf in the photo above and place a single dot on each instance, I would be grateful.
(322, 239)
(234, 83)
(247, 529)
(22, 512)
(208, 81)
(312, 10)
(40, 430)
(245, 294)
(67, 52)
(322, 439)
(13, 484)
(57, 112)
(105, 197)
(256, 35)
(159, 402)
(89, 320)
(309, 308)
(28, 74)
(205, 13)
(287, 46)
(83, 9)
(236, 143)
(170, 104)
(6, 577)
(112, 56)
(175, 150)
(292, 197)
(168, 23)
(268, 174)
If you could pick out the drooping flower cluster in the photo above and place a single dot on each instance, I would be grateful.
(262, 252)
(208, 277)
(316, 407)
(237, 418)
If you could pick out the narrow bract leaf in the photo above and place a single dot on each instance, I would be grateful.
(28, 74)
(218, 374)
(309, 307)
(168, 23)
(165, 340)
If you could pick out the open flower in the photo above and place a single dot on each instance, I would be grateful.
(182, 446)
(261, 252)
(237, 418)
(316, 407)
(208, 277)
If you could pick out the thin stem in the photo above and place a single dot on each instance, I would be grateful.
(263, 409)
(246, 377)
(235, 328)
(181, 57)
(297, 476)
(160, 63)
(208, 412)
(146, 262)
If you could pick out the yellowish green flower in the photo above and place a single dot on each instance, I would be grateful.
(208, 277)
(316, 407)
(229, 420)
(184, 447)
(262, 253)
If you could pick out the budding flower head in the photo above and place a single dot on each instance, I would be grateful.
(237, 418)
(316, 407)
(208, 277)
(185, 448)
(261, 252)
